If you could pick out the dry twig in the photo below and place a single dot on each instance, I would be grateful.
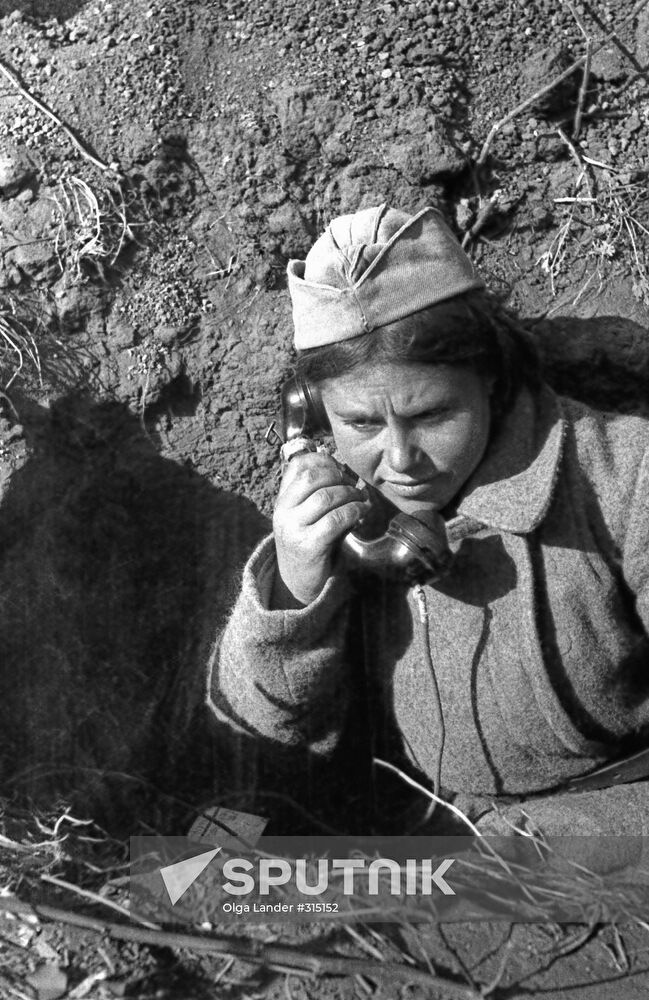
(515, 112)
(94, 897)
(487, 209)
(583, 170)
(109, 168)
(577, 64)
(576, 128)
(586, 74)
(273, 956)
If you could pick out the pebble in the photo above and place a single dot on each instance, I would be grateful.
(16, 169)
(633, 123)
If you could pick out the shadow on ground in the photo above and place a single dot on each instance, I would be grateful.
(116, 566)
(602, 361)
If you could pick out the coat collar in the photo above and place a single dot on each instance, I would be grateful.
(512, 487)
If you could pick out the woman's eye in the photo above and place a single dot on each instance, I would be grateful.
(362, 425)
(433, 415)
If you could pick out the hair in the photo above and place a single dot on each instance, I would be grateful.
(473, 330)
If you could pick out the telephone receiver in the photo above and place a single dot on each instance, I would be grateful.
(404, 547)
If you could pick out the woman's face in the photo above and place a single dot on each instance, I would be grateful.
(416, 432)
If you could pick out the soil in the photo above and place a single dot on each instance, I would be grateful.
(145, 331)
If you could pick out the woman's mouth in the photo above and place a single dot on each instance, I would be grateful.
(410, 490)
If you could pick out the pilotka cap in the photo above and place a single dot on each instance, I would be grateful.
(373, 267)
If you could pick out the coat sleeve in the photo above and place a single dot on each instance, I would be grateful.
(604, 830)
(635, 553)
(609, 825)
(282, 675)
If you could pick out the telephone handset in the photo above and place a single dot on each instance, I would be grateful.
(406, 547)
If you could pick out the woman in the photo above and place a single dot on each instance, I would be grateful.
(525, 665)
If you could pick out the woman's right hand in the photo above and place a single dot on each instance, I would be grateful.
(316, 505)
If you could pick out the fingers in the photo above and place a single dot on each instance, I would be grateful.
(326, 500)
(313, 526)
(307, 473)
(339, 521)
(316, 505)
(330, 509)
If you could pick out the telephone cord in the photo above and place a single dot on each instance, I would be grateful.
(424, 616)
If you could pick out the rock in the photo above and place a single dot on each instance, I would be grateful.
(542, 217)
(306, 120)
(464, 215)
(335, 151)
(423, 159)
(37, 260)
(632, 124)
(16, 170)
(49, 981)
(549, 148)
(120, 333)
(351, 190)
(271, 197)
(609, 64)
(167, 334)
(74, 304)
(295, 235)
(10, 276)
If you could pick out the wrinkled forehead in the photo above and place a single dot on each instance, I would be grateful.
(399, 388)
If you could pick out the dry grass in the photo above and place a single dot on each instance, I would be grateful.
(61, 869)
(606, 221)
(92, 226)
(17, 344)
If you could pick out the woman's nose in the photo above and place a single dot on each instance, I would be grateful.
(402, 450)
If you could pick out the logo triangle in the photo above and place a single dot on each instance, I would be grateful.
(181, 875)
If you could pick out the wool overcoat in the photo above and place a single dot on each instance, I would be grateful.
(537, 659)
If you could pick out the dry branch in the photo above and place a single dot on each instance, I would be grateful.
(94, 897)
(294, 958)
(576, 129)
(43, 108)
(583, 175)
(515, 112)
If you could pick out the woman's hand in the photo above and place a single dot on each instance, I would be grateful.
(315, 507)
